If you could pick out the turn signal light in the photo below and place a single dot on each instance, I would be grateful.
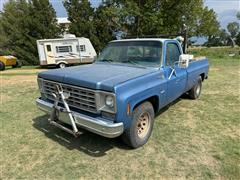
(128, 109)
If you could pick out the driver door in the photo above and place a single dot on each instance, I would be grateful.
(177, 77)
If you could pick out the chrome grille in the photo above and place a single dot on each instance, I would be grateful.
(80, 98)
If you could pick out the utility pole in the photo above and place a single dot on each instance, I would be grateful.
(138, 19)
(184, 31)
(185, 43)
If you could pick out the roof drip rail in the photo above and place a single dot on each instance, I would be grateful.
(154, 36)
(183, 34)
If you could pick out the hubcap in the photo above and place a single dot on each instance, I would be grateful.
(143, 124)
(62, 65)
(198, 89)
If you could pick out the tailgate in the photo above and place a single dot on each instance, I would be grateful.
(195, 69)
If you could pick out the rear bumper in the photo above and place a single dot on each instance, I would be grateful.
(102, 127)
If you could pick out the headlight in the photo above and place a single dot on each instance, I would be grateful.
(106, 101)
(40, 84)
(109, 101)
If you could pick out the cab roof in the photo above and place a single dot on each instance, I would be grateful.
(143, 39)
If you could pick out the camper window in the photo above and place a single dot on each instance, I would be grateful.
(63, 49)
(48, 48)
(81, 48)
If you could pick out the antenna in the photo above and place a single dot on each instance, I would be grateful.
(138, 20)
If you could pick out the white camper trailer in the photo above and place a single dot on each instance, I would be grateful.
(65, 51)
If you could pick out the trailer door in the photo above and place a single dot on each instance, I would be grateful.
(49, 53)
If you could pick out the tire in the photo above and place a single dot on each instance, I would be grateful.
(2, 66)
(141, 127)
(17, 65)
(62, 65)
(195, 92)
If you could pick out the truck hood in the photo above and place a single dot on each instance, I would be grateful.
(101, 76)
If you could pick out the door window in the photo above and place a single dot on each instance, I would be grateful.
(173, 54)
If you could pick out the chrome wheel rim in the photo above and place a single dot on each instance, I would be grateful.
(62, 65)
(143, 124)
(198, 89)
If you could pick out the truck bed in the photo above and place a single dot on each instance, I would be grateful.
(197, 66)
(199, 58)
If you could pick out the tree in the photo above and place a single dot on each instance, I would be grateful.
(105, 21)
(138, 18)
(220, 39)
(223, 37)
(208, 24)
(177, 13)
(238, 39)
(238, 15)
(43, 19)
(233, 29)
(238, 36)
(81, 14)
(22, 23)
(152, 17)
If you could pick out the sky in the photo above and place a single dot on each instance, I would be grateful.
(226, 9)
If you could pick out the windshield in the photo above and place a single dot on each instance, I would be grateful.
(142, 53)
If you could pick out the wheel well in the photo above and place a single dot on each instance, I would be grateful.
(202, 76)
(154, 100)
(64, 62)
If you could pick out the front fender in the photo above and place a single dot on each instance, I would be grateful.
(136, 91)
(134, 101)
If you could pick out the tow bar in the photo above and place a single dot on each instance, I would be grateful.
(53, 117)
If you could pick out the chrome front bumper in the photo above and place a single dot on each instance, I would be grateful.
(102, 127)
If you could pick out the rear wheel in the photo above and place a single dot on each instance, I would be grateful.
(195, 92)
(62, 65)
(2, 66)
(17, 65)
(141, 128)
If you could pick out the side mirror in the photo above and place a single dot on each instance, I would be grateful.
(184, 60)
(95, 58)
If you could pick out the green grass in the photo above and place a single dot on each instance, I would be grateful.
(19, 74)
(217, 52)
(24, 67)
(191, 139)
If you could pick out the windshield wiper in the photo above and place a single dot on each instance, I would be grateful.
(106, 60)
(133, 62)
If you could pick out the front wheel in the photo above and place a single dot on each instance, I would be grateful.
(17, 65)
(141, 127)
(195, 92)
(2, 66)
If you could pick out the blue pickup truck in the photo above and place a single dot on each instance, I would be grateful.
(122, 91)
